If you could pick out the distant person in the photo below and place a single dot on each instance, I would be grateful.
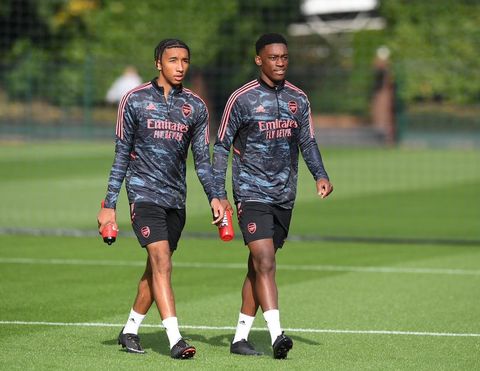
(123, 84)
(382, 108)
(266, 121)
(157, 123)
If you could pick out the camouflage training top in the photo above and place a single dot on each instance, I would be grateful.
(152, 139)
(266, 127)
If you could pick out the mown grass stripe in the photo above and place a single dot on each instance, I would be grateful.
(319, 268)
(71, 232)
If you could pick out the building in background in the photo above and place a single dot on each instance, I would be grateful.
(336, 22)
(329, 17)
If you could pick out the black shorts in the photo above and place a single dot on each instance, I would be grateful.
(259, 220)
(152, 223)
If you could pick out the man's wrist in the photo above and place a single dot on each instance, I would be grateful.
(220, 196)
(109, 205)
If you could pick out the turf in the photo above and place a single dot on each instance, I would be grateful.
(398, 193)
(357, 305)
(75, 280)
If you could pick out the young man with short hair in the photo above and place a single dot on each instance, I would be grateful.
(157, 123)
(266, 121)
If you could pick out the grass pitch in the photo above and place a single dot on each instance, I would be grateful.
(398, 193)
(356, 305)
(346, 306)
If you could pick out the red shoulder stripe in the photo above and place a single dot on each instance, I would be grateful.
(121, 107)
(228, 108)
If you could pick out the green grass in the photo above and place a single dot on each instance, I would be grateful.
(421, 193)
(326, 288)
(311, 298)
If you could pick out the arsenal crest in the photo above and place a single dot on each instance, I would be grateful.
(186, 109)
(292, 105)
(251, 227)
(145, 231)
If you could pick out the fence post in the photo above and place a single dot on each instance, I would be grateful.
(399, 105)
(88, 95)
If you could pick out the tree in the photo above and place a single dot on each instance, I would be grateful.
(435, 48)
(87, 43)
(44, 53)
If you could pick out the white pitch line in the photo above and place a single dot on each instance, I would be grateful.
(216, 328)
(319, 268)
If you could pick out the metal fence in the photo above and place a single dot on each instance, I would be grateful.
(55, 74)
(53, 83)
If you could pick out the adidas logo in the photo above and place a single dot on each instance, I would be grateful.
(151, 106)
(242, 322)
(132, 319)
(260, 109)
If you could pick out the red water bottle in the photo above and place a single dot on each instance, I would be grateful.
(109, 232)
(225, 228)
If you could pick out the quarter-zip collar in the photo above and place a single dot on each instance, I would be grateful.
(276, 87)
(176, 89)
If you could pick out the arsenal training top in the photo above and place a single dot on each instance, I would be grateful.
(266, 127)
(153, 135)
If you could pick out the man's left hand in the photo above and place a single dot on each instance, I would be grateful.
(324, 187)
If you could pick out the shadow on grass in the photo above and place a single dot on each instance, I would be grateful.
(158, 342)
(151, 342)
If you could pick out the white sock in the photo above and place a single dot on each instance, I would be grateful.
(243, 327)
(133, 323)
(173, 333)
(272, 317)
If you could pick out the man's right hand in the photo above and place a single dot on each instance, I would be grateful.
(106, 216)
(218, 210)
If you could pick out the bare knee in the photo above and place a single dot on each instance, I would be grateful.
(161, 265)
(262, 258)
(266, 267)
(264, 264)
(160, 261)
